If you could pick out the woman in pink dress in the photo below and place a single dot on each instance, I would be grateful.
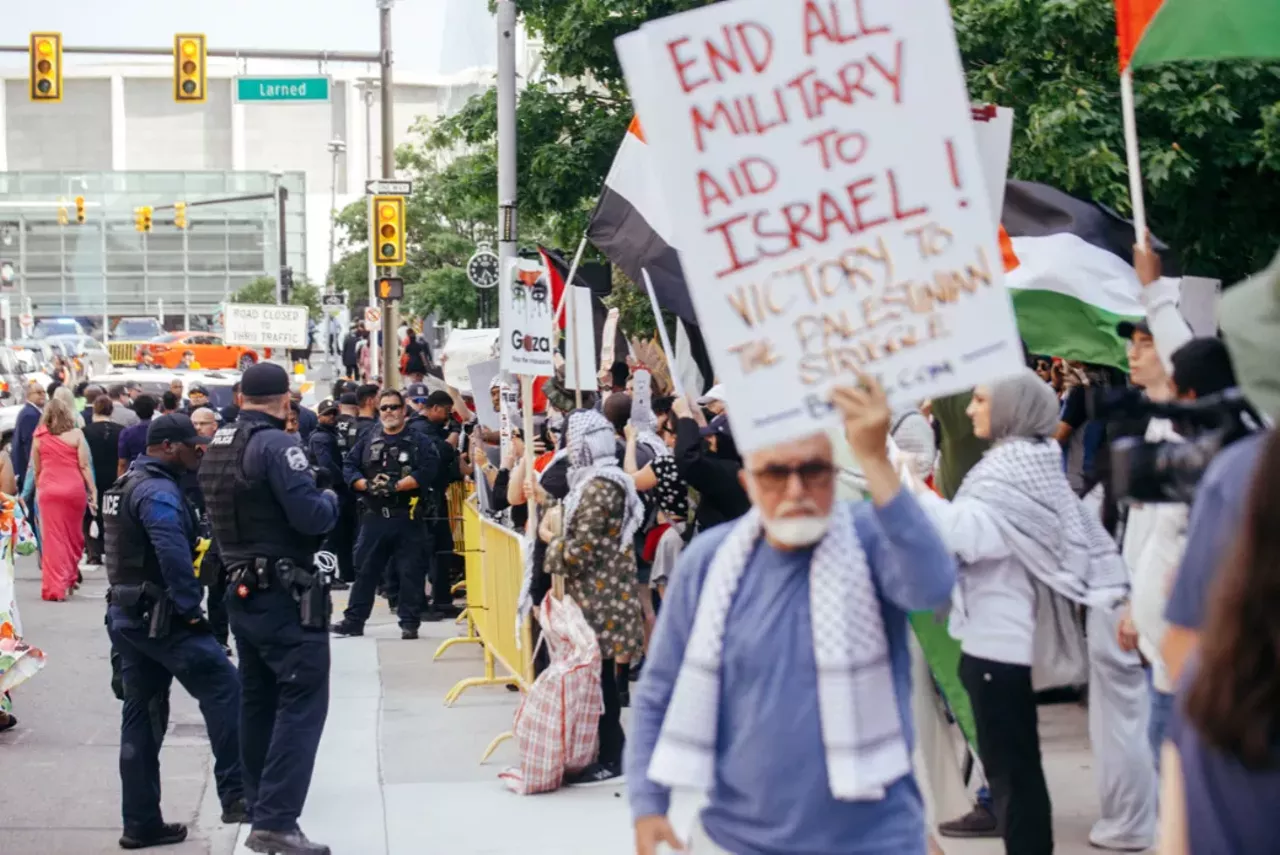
(64, 489)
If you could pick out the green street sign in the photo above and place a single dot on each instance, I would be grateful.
(283, 90)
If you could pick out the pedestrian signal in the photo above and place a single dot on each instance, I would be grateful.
(189, 55)
(388, 231)
(390, 288)
(46, 66)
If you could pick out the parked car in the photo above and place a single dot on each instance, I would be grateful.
(46, 327)
(128, 334)
(156, 382)
(211, 352)
(93, 356)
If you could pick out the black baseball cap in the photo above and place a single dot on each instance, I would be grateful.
(349, 399)
(1203, 366)
(175, 427)
(263, 380)
(1126, 329)
(417, 392)
(328, 405)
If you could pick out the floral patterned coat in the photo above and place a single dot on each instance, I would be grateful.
(600, 574)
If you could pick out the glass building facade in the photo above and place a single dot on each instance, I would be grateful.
(105, 266)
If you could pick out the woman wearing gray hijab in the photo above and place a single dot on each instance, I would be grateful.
(1025, 541)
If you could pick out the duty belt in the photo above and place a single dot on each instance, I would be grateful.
(261, 574)
(145, 601)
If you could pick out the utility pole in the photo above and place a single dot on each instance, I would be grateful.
(390, 352)
(508, 230)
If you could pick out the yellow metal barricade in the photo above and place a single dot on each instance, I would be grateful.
(494, 575)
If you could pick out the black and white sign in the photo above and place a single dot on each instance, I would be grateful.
(482, 269)
(377, 187)
(339, 299)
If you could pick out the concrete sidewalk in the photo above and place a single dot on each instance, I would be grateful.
(399, 772)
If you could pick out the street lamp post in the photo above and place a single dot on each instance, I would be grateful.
(336, 148)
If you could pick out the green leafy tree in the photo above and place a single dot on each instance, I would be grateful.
(263, 291)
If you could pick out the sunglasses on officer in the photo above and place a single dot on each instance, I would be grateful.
(391, 408)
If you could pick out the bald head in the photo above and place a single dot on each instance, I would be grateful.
(205, 421)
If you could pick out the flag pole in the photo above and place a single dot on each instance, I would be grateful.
(572, 323)
(1132, 155)
(662, 334)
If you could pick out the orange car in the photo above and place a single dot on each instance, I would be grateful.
(210, 351)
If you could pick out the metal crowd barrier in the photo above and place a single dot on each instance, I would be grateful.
(494, 573)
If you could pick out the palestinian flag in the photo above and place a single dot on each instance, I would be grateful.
(1069, 269)
(1155, 31)
(630, 226)
(558, 272)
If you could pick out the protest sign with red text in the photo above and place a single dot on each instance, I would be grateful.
(818, 162)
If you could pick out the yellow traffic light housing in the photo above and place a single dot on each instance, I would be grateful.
(180, 214)
(62, 212)
(80, 209)
(390, 288)
(388, 231)
(46, 66)
(142, 218)
(189, 72)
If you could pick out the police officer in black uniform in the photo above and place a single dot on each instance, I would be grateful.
(436, 409)
(269, 518)
(327, 447)
(388, 469)
(158, 630)
(366, 408)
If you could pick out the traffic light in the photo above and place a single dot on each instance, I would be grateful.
(62, 212)
(388, 233)
(79, 209)
(180, 214)
(142, 218)
(46, 66)
(189, 78)
(390, 288)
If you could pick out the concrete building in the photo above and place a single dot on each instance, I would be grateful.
(119, 140)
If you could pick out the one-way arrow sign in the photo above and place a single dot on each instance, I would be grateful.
(377, 187)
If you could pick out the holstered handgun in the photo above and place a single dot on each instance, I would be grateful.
(161, 616)
(311, 592)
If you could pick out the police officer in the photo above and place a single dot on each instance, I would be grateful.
(366, 408)
(158, 630)
(327, 447)
(388, 469)
(436, 411)
(269, 518)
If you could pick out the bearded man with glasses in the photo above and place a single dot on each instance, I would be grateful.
(772, 676)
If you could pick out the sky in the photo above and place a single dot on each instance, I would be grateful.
(418, 27)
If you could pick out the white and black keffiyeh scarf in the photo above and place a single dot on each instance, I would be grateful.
(592, 448)
(861, 729)
(1047, 526)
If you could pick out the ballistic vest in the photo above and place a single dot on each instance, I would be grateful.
(347, 433)
(247, 520)
(394, 456)
(130, 558)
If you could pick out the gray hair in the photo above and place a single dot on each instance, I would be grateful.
(1023, 406)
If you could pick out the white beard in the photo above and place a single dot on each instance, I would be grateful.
(798, 532)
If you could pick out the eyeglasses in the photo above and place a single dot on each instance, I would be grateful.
(813, 474)
(389, 408)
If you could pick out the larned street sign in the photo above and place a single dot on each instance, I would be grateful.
(283, 90)
(379, 187)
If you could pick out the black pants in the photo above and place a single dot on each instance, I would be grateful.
(442, 561)
(397, 544)
(284, 674)
(218, 600)
(1004, 711)
(612, 739)
(94, 546)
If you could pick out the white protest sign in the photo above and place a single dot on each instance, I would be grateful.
(510, 417)
(819, 164)
(993, 133)
(527, 320)
(642, 401)
(580, 343)
(266, 326)
(481, 375)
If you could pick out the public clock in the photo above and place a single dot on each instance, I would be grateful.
(482, 269)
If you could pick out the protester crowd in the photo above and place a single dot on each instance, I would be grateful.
(993, 513)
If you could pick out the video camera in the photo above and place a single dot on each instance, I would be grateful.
(1168, 471)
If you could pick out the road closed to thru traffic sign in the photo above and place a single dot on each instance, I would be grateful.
(266, 326)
